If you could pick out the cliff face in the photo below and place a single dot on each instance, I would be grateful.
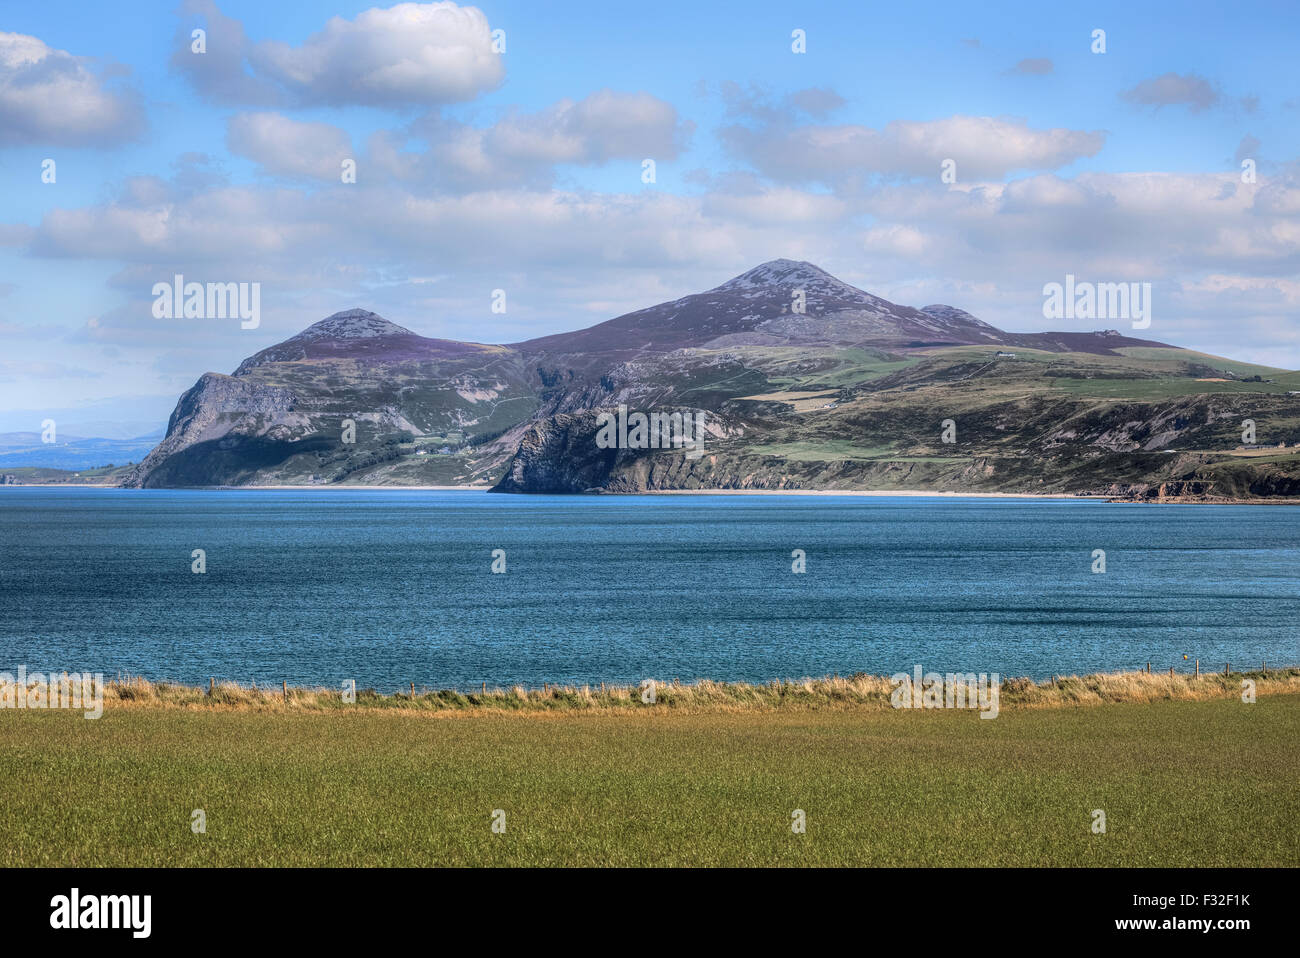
(1216, 482)
(562, 454)
(219, 414)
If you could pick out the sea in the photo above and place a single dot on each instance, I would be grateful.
(456, 589)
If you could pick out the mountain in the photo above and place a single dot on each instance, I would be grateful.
(803, 380)
(287, 412)
(758, 308)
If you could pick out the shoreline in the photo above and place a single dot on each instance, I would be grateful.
(866, 493)
(903, 493)
(898, 493)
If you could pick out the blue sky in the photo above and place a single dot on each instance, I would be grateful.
(522, 171)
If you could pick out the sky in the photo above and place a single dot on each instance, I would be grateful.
(955, 153)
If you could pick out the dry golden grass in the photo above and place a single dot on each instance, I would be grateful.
(860, 691)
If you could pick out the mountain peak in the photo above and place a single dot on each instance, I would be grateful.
(787, 273)
(358, 335)
(353, 324)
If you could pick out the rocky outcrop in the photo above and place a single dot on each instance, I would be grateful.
(208, 413)
(562, 454)
(1215, 484)
(559, 454)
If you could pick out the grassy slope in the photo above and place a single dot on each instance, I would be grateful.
(1183, 783)
(883, 432)
(100, 475)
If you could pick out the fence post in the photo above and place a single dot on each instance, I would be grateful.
(412, 690)
(1227, 668)
(1148, 668)
(212, 685)
(284, 685)
(1198, 668)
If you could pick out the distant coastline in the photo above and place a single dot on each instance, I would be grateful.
(877, 493)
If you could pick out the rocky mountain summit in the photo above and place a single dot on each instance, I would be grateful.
(360, 335)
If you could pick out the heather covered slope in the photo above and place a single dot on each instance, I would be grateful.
(849, 392)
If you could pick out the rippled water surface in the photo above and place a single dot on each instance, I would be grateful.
(390, 586)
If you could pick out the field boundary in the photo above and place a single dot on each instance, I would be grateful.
(858, 691)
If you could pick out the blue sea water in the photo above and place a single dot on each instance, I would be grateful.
(389, 587)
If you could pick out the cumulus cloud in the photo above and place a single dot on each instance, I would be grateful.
(1174, 89)
(1219, 252)
(49, 97)
(288, 147)
(412, 54)
(774, 207)
(1257, 290)
(1132, 225)
(1221, 255)
(841, 156)
(523, 149)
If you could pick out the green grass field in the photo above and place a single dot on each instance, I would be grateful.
(1182, 783)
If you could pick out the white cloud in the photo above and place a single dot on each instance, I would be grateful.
(982, 147)
(288, 147)
(1222, 255)
(412, 54)
(50, 97)
(523, 149)
(776, 206)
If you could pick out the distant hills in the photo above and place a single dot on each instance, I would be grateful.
(806, 382)
(25, 449)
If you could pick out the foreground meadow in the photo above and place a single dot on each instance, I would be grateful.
(1196, 782)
